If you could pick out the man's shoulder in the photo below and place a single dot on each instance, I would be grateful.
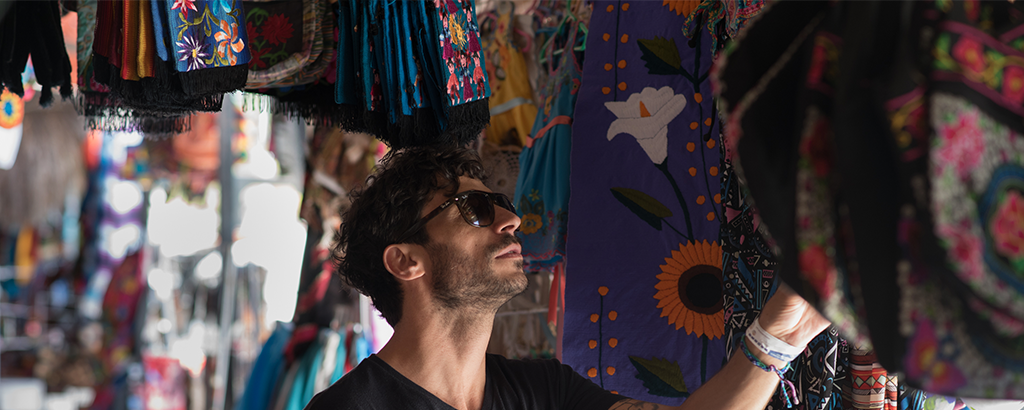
(366, 386)
(528, 370)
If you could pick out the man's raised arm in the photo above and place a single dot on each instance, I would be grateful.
(742, 385)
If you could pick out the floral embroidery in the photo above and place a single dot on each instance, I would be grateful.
(278, 29)
(681, 7)
(228, 43)
(1007, 228)
(192, 52)
(690, 289)
(268, 36)
(531, 223)
(964, 250)
(645, 116)
(1013, 84)
(459, 42)
(969, 52)
(926, 361)
(210, 38)
(184, 6)
(962, 143)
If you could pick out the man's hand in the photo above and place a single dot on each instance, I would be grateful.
(789, 317)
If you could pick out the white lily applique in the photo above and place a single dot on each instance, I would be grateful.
(645, 116)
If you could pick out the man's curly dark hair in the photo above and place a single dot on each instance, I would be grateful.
(391, 202)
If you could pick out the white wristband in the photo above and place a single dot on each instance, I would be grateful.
(771, 345)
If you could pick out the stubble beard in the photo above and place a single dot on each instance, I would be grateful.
(467, 283)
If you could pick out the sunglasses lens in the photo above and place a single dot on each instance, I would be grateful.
(477, 209)
(503, 201)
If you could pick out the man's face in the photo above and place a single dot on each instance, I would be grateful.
(477, 268)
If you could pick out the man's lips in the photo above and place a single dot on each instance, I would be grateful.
(513, 251)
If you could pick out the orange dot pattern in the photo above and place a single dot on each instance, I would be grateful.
(693, 171)
(711, 216)
(694, 125)
(603, 290)
(698, 98)
(593, 370)
(700, 200)
(613, 342)
(622, 86)
(606, 36)
(611, 371)
(613, 315)
(610, 8)
(594, 317)
(608, 67)
(711, 143)
(690, 146)
(714, 171)
(622, 63)
(592, 343)
(624, 39)
(606, 90)
(625, 6)
(718, 198)
(707, 121)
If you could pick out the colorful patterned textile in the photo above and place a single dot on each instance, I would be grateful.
(909, 166)
(750, 276)
(280, 57)
(511, 102)
(732, 14)
(431, 90)
(644, 292)
(208, 40)
(542, 189)
(868, 385)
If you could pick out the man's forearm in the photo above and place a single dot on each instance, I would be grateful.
(740, 385)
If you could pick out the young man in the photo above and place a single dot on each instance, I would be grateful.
(436, 252)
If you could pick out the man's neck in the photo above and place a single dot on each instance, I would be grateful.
(444, 353)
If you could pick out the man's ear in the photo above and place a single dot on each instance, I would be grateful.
(405, 261)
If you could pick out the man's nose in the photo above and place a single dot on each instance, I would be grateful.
(505, 221)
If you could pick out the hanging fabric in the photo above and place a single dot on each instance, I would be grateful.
(511, 104)
(542, 190)
(431, 90)
(267, 371)
(893, 158)
(32, 27)
(147, 65)
(644, 291)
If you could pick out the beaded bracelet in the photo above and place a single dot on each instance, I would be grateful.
(786, 392)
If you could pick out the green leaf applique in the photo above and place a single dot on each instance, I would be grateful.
(643, 205)
(660, 376)
(661, 55)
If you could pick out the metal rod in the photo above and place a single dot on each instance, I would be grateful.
(228, 120)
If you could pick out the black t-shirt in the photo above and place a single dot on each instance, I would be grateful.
(511, 384)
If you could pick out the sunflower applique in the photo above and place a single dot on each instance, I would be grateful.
(690, 289)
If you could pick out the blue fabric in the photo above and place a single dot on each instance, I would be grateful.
(341, 358)
(266, 371)
(542, 188)
(159, 10)
(302, 389)
(204, 33)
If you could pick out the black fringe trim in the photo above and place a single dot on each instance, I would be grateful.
(214, 80)
(315, 106)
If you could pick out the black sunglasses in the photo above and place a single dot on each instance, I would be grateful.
(476, 207)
